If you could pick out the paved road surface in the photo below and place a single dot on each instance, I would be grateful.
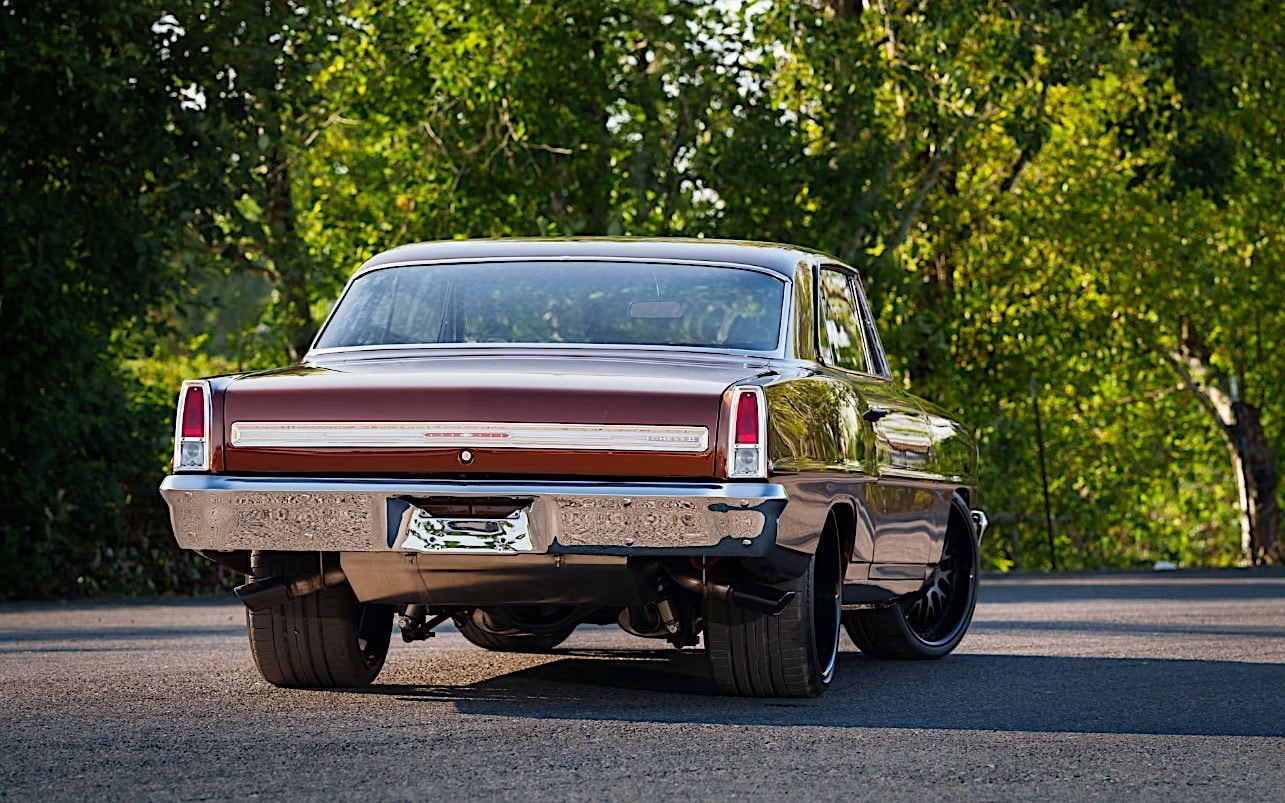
(1152, 687)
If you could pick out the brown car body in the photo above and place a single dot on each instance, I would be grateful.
(322, 465)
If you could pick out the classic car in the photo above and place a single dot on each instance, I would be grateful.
(692, 439)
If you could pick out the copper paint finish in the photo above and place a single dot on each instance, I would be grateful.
(589, 390)
(896, 475)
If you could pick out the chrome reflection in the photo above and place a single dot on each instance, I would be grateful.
(903, 439)
(346, 515)
(420, 531)
(468, 434)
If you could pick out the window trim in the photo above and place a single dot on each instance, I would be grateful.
(869, 328)
(782, 347)
(856, 294)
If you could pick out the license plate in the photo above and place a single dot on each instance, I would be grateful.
(423, 532)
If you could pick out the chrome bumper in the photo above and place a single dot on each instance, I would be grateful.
(222, 513)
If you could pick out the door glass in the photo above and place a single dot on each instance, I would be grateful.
(878, 363)
(841, 344)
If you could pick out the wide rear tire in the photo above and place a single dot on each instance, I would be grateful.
(754, 654)
(931, 623)
(324, 640)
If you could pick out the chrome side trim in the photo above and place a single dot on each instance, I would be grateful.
(468, 434)
(365, 515)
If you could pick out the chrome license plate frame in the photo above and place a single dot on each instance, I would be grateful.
(421, 531)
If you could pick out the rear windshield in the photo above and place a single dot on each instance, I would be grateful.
(609, 303)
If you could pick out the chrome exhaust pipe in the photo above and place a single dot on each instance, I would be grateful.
(754, 596)
(270, 592)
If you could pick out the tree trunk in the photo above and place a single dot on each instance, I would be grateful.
(1258, 480)
(292, 270)
(1252, 462)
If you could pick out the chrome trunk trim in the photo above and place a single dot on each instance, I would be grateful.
(468, 434)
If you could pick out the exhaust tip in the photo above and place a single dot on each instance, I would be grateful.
(260, 595)
(762, 598)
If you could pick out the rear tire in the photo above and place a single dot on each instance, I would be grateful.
(930, 624)
(754, 654)
(482, 630)
(325, 640)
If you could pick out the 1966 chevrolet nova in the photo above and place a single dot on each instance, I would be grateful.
(693, 439)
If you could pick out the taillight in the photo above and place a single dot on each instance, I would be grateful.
(193, 412)
(747, 418)
(192, 431)
(747, 452)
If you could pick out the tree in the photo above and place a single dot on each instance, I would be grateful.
(251, 68)
(1083, 194)
(94, 165)
(1128, 247)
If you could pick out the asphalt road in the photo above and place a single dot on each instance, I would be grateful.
(1150, 687)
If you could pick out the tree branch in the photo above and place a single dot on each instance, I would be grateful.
(1024, 154)
(1186, 367)
(925, 185)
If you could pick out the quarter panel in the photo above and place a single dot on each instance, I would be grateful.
(814, 425)
(811, 494)
(820, 453)
(904, 500)
(954, 450)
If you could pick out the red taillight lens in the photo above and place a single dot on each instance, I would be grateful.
(747, 444)
(192, 434)
(747, 418)
(193, 413)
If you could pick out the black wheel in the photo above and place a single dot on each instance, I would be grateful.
(932, 622)
(755, 654)
(323, 640)
(513, 630)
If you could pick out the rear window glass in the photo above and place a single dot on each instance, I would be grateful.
(609, 303)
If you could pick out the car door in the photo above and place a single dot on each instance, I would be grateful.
(900, 500)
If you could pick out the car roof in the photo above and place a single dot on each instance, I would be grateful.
(782, 259)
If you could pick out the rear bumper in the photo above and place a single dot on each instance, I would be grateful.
(308, 514)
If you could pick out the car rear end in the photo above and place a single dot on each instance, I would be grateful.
(517, 442)
(574, 459)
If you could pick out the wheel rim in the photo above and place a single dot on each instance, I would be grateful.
(942, 608)
(826, 616)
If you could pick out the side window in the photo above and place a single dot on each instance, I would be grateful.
(805, 345)
(841, 339)
(878, 362)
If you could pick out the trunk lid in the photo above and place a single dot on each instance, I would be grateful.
(629, 414)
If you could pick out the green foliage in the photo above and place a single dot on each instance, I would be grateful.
(1101, 257)
(1057, 196)
(92, 176)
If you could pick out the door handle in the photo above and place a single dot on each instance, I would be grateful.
(873, 414)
